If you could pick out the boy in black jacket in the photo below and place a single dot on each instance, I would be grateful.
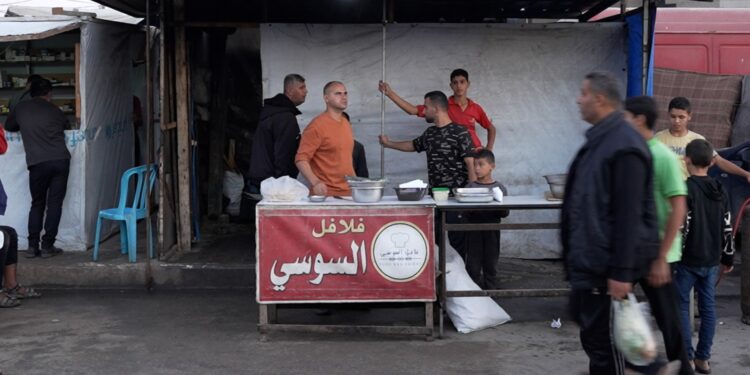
(707, 243)
(482, 249)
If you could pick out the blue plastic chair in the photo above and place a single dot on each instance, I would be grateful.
(129, 212)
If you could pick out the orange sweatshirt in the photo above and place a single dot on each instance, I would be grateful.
(327, 145)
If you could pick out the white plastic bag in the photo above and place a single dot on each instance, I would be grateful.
(283, 189)
(233, 185)
(632, 334)
(468, 314)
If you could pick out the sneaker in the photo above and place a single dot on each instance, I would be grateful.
(50, 252)
(33, 252)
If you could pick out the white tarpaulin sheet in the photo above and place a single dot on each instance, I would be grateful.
(101, 149)
(525, 76)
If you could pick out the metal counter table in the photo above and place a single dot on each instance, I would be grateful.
(520, 202)
(340, 251)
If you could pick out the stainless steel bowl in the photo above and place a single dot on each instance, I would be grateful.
(556, 184)
(367, 194)
(317, 198)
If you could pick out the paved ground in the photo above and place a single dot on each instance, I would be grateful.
(213, 332)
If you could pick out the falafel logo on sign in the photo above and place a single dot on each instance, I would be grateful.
(400, 251)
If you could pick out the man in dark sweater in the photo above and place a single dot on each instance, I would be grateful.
(42, 126)
(609, 229)
(275, 142)
(277, 137)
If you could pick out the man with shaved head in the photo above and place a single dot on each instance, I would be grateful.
(324, 156)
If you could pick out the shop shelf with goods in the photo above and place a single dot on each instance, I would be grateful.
(55, 58)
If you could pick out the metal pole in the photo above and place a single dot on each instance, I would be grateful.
(150, 145)
(645, 50)
(382, 102)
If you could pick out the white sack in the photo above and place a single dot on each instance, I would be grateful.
(233, 185)
(468, 314)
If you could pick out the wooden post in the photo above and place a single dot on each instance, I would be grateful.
(219, 110)
(167, 236)
(77, 72)
(183, 134)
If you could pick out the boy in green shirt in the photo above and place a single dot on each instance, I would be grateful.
(669, 197)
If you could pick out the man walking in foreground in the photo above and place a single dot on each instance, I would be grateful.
(608, 227)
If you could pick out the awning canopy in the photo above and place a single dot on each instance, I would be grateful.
(14, 29)
(371, 11)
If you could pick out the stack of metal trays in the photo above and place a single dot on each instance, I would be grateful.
(362, 182)
(473, 195)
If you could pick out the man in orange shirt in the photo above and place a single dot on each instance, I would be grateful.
(324, 156)
(462, 110)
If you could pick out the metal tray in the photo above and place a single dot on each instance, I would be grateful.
(474, 198)
(473, 191)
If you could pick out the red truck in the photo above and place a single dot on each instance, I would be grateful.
(704, 40)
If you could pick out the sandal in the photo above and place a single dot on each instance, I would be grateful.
(8, 301)
(21, 292)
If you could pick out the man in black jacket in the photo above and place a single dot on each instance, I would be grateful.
(608, 229)
(277, 136)
(42, 125)
(275, 141)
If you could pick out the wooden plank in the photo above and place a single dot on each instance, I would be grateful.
(199, 24)
(469, 227)
(183, 135)
(42, 35)
(219, 114)
(263, 315)
(429, 319)
(166, 220)
(508, 293)
(77, 72)
(168, 126)
(62, 12)
(311, 328)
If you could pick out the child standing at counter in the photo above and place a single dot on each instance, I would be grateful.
(482, 249)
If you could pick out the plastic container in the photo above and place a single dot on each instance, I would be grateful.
(440, 194)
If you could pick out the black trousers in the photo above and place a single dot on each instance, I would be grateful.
(455, 239)
(592, 311)
(665, 309)
(9, 249)
(482, 250)
(48, 182)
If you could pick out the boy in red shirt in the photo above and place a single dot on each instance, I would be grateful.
(462, 110)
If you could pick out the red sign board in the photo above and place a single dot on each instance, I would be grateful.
(345, 254)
